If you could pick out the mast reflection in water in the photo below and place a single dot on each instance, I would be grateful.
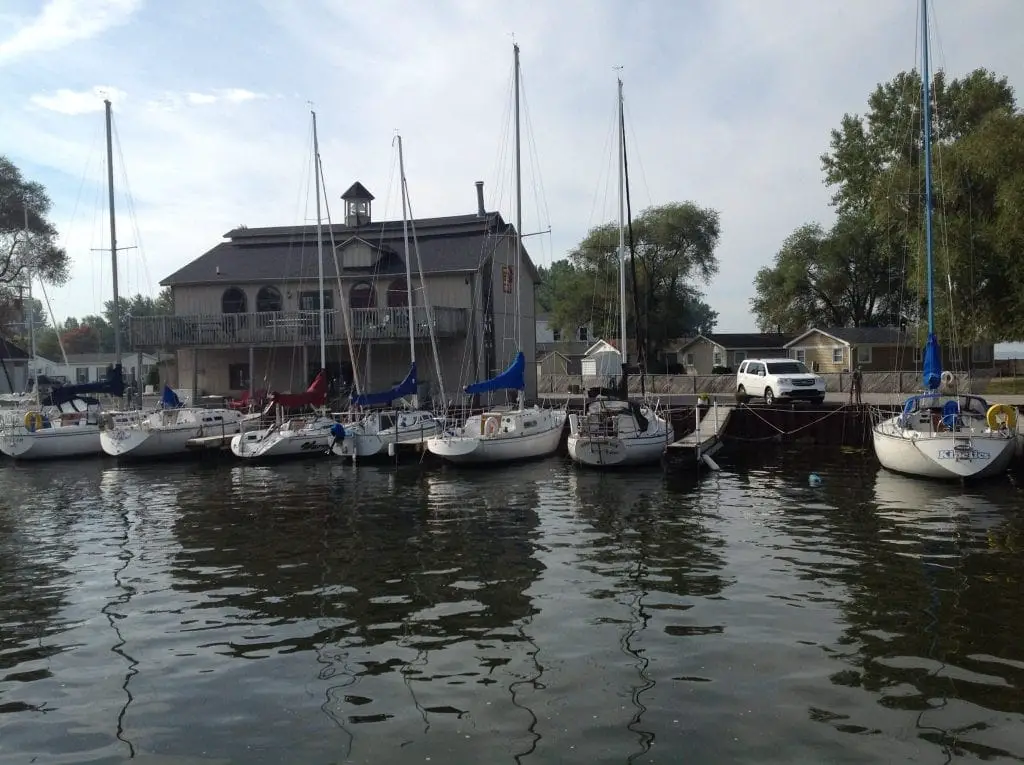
(322, 613)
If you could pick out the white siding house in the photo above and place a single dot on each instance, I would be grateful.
(601, 359)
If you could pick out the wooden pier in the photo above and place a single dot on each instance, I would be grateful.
(697, 448)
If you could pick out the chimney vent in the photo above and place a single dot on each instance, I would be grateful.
(480, 211)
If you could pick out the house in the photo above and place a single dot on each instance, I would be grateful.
(873, 349)
(600, 360)
(247, 311)
(703, 354)
(559, 363)
(14, 366)
(547, 334)
(90, 367)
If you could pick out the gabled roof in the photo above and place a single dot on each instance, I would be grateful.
(742, 341)
(11, 352)
(453, 244)
(357, 191)
(856, 335)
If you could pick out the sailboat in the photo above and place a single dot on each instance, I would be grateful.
(68, 419)
(306, 434)
(615, 431)
(943, 435)
(520, 432)
(374, 432)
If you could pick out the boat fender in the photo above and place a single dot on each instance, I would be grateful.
(33, 421)
(1001, 416)
(947, 378)
(814, 480)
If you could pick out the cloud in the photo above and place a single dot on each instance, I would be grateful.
(729, 103)
(63, 22)
(74, 102)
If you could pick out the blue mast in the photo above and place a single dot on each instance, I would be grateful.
(932, 366)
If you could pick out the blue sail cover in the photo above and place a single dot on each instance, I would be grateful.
(113, 384)
(405, 388)
(170, 400)
(513, 378)
(932, 367)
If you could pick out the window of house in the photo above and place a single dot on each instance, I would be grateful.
(238, 376)
(268, 299)
(800, 354)
(556, 335)
(837, 355)
(308, 301)
(398, 294)
(689, 360)
(101, 373)
(738, 356)
(718, 360)
(233, 301)
(582, 333)
(81, 374)
(361, 295)
(863, 354)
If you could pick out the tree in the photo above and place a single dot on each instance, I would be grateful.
(137, 305)
(870, 267)
(843, 277)
(673, 246)
(26, 250)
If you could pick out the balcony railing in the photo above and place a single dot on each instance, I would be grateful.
(292, 327)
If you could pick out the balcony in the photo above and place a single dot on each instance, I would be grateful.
(284, 328)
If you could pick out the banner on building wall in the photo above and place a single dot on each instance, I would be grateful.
(507, 278)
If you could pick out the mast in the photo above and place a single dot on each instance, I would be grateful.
(519, 212)
(926, 108)
(622, 237)
(113, 235)
(408, 263)
(319, 248)
(31, 317)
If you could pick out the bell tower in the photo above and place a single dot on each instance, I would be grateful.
(357, 205)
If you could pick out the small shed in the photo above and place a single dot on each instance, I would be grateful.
(602, 359)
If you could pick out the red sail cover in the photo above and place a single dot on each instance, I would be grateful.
(315, 395)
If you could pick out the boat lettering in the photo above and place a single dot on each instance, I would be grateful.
(309, 446)
(962, 454)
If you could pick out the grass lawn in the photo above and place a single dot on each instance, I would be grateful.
(1006, 385)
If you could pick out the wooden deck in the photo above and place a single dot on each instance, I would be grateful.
(697, 448)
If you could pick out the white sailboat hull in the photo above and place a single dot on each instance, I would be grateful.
(473, 447)
(52, 443)
(359, 445)
(277, 442)
(610, 451)
(147, 440)
(944, 455)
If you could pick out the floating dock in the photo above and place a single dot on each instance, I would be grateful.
(697, 448)
(218, 443)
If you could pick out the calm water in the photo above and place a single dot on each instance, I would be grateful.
(318, 613)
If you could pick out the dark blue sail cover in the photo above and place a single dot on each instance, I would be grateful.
(113, 385)
(169, 399)
(932, 367)
(407, 387)
(513, 378)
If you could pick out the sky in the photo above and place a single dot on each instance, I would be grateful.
(729, 104)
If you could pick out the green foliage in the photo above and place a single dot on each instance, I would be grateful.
(870, 268)
(673, 246)
(25, 251)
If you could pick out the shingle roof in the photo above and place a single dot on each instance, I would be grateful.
(743, 340)
(11, 352)
(458, 243)
(357, 191)
(860, 335)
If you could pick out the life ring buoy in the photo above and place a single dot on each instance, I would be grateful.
(33, 421)
(489, 426)
(947, 378)
(999, 416)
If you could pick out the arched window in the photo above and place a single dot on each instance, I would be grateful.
(233, 301)
(398, 294)
(268, 299)
(362, 295)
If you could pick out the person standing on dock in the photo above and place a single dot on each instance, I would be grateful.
(855, 387)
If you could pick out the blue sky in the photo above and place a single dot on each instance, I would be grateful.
(729, 104)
